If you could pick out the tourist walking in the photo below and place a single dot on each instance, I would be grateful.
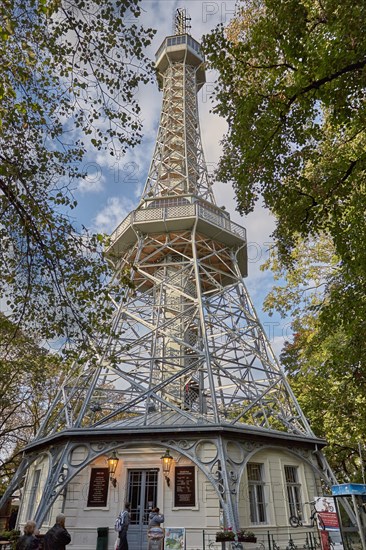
(123, 522)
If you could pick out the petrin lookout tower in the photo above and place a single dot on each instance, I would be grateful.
(189, 371)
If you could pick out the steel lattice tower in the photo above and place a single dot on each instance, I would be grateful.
(188, 353)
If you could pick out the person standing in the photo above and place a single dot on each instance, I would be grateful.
(155, 519)
(124, 523)
(28, 541)
(57, 537)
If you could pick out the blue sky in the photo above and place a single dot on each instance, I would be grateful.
(114, 184)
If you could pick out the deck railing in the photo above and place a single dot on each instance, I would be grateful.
(212, 215)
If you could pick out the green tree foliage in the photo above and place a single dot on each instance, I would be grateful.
(333, 399)
(29, 378)
(330, 388)
(69, 71)
(292, 88)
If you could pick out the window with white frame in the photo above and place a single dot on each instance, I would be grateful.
(293, 491)
(256, 493)
(33, 493)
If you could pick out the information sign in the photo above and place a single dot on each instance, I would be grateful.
(98, 488)
(185, 486)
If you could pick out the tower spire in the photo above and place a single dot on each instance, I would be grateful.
(178, 166)
(182, 21)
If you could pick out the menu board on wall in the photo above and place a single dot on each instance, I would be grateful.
(98, 488)
(184, 486)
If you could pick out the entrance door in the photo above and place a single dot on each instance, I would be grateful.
(142, 495)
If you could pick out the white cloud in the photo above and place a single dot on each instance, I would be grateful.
(94, 181)
(112, 214)
(278, 342)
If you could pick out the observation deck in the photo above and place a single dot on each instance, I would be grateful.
(165, 215)
(179, 49)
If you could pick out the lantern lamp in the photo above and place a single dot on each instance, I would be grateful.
(167, 460)
(112, 466)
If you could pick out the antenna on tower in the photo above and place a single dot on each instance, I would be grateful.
(181, 21)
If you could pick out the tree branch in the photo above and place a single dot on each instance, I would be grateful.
(316, 84)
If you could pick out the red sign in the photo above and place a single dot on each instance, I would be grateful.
(327, 515)
(328, 520)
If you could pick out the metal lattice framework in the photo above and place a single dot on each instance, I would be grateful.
(189, 346)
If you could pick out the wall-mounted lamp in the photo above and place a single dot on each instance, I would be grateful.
(167, 460)
(112, 466)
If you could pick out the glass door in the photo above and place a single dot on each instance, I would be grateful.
(142, 496)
